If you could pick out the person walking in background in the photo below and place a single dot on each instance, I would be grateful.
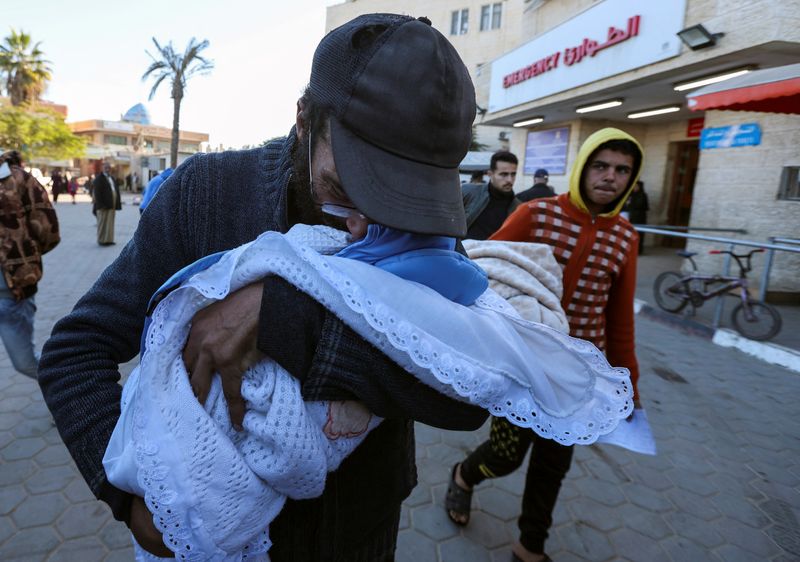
(539, 189)
(72, 188)
(57, 185)
(107, 202)
(488, 204)
(477, 176)
(152, 188)
(595, 248)
(88, 185)
(28, 229)
(637, 207)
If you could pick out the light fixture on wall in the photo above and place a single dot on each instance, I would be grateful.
(531, 121)
(698, 37)
(706, 80)
(655, 111)
(598, 106)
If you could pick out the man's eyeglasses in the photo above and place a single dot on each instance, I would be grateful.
(336, 210)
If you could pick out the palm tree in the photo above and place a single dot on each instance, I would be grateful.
(474, 144)
(27, 72)
(178, 68)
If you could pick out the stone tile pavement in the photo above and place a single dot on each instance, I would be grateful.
(725, 485)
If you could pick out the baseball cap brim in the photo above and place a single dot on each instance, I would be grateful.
(395, 191)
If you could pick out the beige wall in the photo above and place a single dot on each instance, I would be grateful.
(734, 187)
(738, 187)
(550, 14)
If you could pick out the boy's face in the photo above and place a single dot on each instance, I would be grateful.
(607, 175)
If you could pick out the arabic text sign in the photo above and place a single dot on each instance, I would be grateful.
(578, 51)
(574, 55)
(548, 150)
(745, 134)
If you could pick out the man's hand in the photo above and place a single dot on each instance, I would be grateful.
(145, 531)
(223, 340)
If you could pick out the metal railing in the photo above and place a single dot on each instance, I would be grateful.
(775, 244)
(697, 228)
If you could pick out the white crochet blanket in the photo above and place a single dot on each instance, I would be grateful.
(214, 491)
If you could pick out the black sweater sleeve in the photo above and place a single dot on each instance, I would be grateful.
(79, 369)
(334, 363)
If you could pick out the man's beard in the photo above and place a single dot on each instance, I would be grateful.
(302, 207)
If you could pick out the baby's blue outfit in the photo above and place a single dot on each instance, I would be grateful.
(429, 260)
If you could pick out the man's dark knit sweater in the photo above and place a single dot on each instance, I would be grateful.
(501, 204)
(211, 203)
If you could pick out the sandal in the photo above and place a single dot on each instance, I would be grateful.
(458, 501)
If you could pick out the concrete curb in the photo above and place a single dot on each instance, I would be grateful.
(768, 352)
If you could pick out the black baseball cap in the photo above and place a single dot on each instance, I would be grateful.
(541, 173)
(402, 106)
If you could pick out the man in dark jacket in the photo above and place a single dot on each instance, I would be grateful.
(539, 190)
(398, 174)
(107, 202)
(487, 205)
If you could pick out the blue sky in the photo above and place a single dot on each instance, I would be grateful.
(262, 53)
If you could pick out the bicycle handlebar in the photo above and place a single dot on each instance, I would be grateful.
(738, 257)
(747, 255)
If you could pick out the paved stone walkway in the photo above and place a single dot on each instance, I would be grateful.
(725, 485)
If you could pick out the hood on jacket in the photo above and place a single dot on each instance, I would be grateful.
(587, 148)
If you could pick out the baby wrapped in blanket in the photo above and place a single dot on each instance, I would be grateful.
(213, 491)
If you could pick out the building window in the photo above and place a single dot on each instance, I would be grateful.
(114, 139)
(459, 22)
(790, 183)
(491, 16)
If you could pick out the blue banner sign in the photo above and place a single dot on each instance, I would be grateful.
(547, 149)
(746, 134)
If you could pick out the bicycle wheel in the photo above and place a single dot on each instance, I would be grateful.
(756, 320)
(670, 292)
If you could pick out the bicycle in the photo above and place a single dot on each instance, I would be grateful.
(752, 318)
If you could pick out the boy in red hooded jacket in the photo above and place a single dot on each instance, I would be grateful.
(596, 248)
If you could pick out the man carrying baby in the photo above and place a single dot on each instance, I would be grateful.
(380, 144)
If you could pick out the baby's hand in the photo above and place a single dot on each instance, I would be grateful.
(347, 418)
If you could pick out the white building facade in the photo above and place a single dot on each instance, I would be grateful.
(570, 67)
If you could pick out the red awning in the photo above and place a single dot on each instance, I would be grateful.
(772, 90)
